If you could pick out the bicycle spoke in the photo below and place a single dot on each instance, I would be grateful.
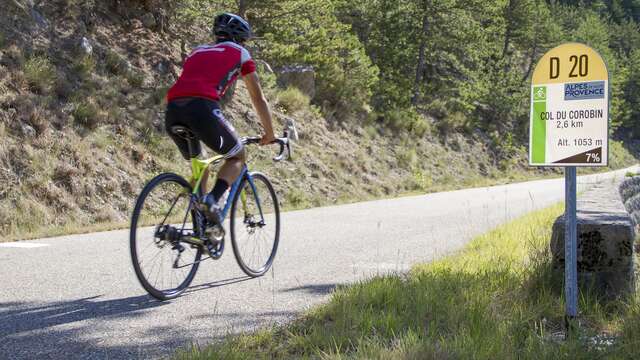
(165, 200)
(255, 228)
(170, 209)
(158, 252)
(152, 242)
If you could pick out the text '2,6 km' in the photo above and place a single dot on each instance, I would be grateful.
(569, 108)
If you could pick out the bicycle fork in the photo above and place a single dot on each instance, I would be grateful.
(248, 217)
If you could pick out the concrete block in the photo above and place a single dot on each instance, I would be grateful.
(606, 236)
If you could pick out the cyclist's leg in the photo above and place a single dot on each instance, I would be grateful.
(232, 167)
(218, 134)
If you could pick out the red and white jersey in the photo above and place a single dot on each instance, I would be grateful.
(210, 70)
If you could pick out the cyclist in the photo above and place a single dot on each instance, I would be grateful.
(193, 101)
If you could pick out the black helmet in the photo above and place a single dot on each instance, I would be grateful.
(232, 27)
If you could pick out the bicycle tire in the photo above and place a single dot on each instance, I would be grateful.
(156, 182)
(235, 226)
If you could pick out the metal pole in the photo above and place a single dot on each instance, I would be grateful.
(570, 245)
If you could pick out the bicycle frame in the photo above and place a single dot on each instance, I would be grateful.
(198, 168)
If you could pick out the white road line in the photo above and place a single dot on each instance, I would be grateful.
(22, 245)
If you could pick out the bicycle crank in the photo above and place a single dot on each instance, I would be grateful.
(215, 242)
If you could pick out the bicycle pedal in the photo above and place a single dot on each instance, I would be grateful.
(214, 248)
(215, 232)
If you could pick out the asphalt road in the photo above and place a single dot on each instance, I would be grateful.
(77, 296)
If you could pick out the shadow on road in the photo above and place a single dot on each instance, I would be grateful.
(57, 329)
(217, 283)
(315, 289)
(77, 329)
(16, 318)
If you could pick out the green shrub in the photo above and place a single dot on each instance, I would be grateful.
(371, 131)
(39, 73)
(2, 40)
(296, 199)
(407, 157)
(13, 56)
(292, 99)
(86, 113)
(63, 88)
(344, 75)
(452, 122)
(422, 180)
(418, 126)
(619, 156)
(84, 66)
(135, 78)
(438, 109)
(114, 63)
(405, 120)
(159, 94)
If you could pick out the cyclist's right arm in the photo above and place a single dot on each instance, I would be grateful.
(261, 106)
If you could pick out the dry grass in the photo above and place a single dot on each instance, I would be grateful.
(499, 298)
(39, 73)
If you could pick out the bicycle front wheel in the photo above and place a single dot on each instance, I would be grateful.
(163, 213)
(255, 225)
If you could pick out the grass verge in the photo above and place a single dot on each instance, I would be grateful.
(499, 298)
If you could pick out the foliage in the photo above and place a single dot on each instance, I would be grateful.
(468, 59)
(302, 32)
(135, 78)
(311, 34)
(83, 66)
(404, 119)
(86, 114)
(631, 93)
(114, 63)
(478, 56)
(292, 99)
(39, 73)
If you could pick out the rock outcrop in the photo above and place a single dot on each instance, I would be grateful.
(301, 77)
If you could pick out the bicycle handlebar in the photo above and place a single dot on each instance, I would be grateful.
(285, 145)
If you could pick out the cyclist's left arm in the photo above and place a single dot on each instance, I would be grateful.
(262, 107)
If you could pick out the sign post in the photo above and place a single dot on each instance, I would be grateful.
(570, 243)
(569, 127)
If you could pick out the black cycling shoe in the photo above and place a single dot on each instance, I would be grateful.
(211, 210)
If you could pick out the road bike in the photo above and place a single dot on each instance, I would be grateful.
(169, 233)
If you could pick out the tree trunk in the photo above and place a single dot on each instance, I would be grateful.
(421, 61)
(532, 59)
(242, 8)
(507, 35)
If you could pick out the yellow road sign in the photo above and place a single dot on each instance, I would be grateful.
(569, 108)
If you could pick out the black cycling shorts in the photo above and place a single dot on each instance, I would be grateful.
(206, 121)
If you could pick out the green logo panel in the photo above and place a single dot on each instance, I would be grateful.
(540, 93)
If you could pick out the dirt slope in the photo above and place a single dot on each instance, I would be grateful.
(81, 122)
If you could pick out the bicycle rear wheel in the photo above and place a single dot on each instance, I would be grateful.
(163, 213)
(255, 225)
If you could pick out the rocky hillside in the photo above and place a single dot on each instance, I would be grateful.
(81, 122)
